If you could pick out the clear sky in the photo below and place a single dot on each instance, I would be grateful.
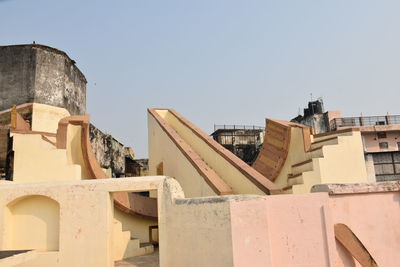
(218, 61)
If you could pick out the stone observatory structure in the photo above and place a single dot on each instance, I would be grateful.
(41, 74)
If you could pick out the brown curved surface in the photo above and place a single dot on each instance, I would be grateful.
(129, 203)
(275, 148)
(345, 236)
(274, 151)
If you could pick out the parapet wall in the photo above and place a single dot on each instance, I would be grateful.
(281, 230)
(40, 74)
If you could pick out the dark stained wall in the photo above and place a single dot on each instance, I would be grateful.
(40, 74)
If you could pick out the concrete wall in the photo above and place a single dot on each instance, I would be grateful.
(280, 230)
(163, 150)
(84, 235)
(371, 141)
(40, 74)
(214, 165)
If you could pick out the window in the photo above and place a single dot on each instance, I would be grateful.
(381, 135)
(380, 123)
(387, 166)
(383, 145)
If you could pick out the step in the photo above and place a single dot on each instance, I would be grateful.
(287, 190)
(317, 153)
(301, 167)
(296, 179)
(135, 248)
(324, 136)
(326, 142)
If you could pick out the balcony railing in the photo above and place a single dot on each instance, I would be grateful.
(238, 139)
(237, 127)
(364, 121)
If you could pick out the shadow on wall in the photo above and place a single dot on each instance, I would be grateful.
(32, 222)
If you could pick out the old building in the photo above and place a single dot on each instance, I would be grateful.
(41, 74)
(32, 75)
(242, 140)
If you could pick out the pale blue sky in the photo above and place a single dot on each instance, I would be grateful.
(215, 61)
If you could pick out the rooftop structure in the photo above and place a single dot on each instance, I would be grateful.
(242, 140)
(34, 73)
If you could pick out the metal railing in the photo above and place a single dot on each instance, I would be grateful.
(364, 121)
(237, 127)
(238, 139)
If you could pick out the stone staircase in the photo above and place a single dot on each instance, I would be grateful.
(309, 171)
(126, 246)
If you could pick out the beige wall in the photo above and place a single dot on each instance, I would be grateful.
(32, 222)
(36, 160)
(45, 118)
(295, 155)
(238, 177)
(175, 164)
(85, 219)
(194, 231)
(74, 150)
(136, 225)
(279, 230)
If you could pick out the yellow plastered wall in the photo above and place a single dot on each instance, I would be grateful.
(32, 223)
(349, 156)
(163, 150)
(295, 155)
(35, 160)
(74, 149)
(137, 226)
(45, 118)
(209, 218)
(341, 163)
(229, 173)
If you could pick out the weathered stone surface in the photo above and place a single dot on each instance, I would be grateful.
(108, 151)
(337, 189)
(40, 74)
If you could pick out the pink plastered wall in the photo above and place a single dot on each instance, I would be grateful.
(298, 230)
(371, 141)
(374, 219)
(285, 230)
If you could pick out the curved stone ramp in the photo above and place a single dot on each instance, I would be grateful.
(131, 203)
(201, 165)
(275, 149)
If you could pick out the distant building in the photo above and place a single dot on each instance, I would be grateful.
(136, 167)
(242, 140)
(380, 136)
